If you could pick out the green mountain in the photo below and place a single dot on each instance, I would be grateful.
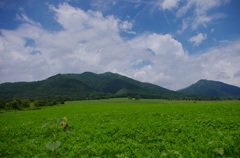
(87, 84)
(91, 85)
(120, 85)
(55, 86)
(212, 88)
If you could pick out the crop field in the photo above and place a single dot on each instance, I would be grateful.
(124, 128)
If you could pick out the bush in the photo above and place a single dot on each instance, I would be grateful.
(2, 103)
(44, 102)
(25, 103)
(137, 97)
(15, 104)
(38, 103)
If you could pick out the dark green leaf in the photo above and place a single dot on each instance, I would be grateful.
(43, 126)
(53, 145)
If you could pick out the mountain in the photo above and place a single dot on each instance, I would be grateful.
(120, 85)
(212, 88)
(55, 86)
(85, 85)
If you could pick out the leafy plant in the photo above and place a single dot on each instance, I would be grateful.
(60, 126)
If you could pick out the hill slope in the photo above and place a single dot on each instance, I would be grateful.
(121, 85)
(212, 88)
(55, 86)
(84, 85)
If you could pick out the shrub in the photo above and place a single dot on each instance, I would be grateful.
(25, 103)
(14, 104)
(2, 103)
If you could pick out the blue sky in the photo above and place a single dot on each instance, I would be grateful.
(172, 43)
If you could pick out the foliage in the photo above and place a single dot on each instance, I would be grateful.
(44, 102)
(2, 103)
(56, 129)
(124, 128)
(18, 104)
(137, 97)
(26, 104)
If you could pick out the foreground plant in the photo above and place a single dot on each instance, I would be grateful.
(58, 127)
(63, 122)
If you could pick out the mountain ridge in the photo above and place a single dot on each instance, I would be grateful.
(108, 82)
(85, 85)
(212, 89)
(91, 85)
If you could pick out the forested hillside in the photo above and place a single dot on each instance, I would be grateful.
(87, 85)
(212, 88)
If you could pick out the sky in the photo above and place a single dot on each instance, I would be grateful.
(171, 43)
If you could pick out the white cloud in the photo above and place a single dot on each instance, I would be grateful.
(76, 19)
(185, 23)
(103, 5)
(196, 40)
(169, 4)
(23, 17)
(91, 42)
(222, 63)
(126, 26)
(201, 9)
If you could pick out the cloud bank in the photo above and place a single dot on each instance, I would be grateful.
(90, 41)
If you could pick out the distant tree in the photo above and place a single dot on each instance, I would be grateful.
(14, 104)
(2, 103)
(130, 98)
(49, 102)
(40, 102)
(97, 97)
(54, 102)
(25, 103)
(45, 102)
(137, 97)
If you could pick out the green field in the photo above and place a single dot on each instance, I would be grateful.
(124, 128)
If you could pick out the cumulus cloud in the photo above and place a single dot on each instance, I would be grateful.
(126, 26)
(196, 40)
(164, 52)
(222, 63)
(90, 41)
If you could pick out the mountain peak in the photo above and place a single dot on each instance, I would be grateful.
(110, 74)
(85, 84)
(212, 88)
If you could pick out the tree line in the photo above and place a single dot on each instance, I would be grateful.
(30, 103)
(35, 103)
(20, 104)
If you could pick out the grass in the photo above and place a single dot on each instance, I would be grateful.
(125, 128)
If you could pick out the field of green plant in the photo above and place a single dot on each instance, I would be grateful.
(124, 128)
